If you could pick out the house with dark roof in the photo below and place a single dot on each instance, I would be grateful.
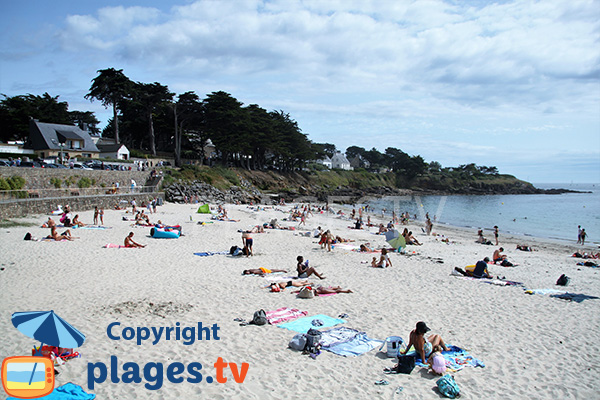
(340, 161)
(49, 140)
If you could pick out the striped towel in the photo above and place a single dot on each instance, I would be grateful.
(284, 314)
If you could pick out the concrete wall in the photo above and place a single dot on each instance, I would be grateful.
(37, 183)
(39, 178)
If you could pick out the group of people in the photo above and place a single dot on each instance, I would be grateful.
(581, 235)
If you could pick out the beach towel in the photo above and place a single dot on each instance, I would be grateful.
(284, 314)
(456, 359)
(302, 325)
(210, 253)
(95, 227)
(68, 391)
(347, 342)
(544, 291)
(116, 246)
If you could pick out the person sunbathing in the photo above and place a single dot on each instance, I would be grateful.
(382, 229)
(339, 239)
(76, 221)
(331, 290)
(523, 247)
(365, 248)
(410, 239)
(423, 347)
(279, 286)
(499, 257)
(262, 271)
(130, 243)
(304, 271)
(54, 235)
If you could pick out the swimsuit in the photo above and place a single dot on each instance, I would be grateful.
(427, 348)
(288, 284)
(265, 270)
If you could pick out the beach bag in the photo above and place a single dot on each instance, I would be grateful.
(235, 251)
(306, 293)
(506, 263)
(313, 337)
(298, 342)
(393, 346)
(405, 364)
(27, 236)
(563, 280)
(448, 387)
(260, 318)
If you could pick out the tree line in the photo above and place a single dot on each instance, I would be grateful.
(149, 117)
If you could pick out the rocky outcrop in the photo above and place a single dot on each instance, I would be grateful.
(204, 193)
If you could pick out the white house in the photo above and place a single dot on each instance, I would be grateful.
(110, 149)
(341, 162)
(326, 161)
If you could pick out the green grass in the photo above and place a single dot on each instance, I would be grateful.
(8, 223)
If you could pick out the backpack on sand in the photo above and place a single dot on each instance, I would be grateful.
(448, 387)
(260, 318)
(298, 342)
(563, 280)
(313, 337)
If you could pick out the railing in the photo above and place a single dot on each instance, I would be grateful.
(12, 195)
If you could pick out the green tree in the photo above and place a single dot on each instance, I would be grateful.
(82, 118)
(16, 111)
(188, 113)
(152, 97)
(223, 116)
(111, 87)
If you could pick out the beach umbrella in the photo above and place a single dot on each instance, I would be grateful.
(395, 239)
(48, 328)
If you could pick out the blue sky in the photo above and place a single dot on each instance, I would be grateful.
(515, 84)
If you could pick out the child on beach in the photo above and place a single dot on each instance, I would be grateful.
(436, 361)
(384, 260)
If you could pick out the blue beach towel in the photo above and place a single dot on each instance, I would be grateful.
(210, 253)
(302, 325)
(348, 342)
(456, 359)
(68, 391)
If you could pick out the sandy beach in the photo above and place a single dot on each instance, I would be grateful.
(533, 346)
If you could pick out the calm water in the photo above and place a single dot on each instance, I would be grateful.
(546, 216)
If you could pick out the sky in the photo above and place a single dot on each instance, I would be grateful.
(511, 84)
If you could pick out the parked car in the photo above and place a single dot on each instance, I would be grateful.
(80, 166)
(31, 164)
(52, 165)
(4, 163)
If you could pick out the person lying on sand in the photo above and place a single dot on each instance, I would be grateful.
(423, 347)
(304, 271)
(331, 290)
(279, 286)
(365, 248)
(261, 271)
(130, 243)
(339, 239)
(523, 247)
(436, 361)
(54, 235)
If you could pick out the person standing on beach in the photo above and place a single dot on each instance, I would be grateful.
(583, 236)
(428, 226)
(247, 241)
(496, 233)
(96, 215)
(578, 234)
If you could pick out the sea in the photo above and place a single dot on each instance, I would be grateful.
(539, 215)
